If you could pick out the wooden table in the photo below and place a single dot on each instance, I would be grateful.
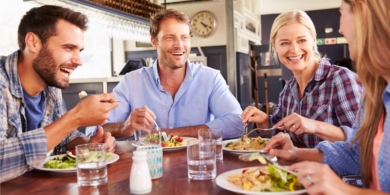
(174, 180)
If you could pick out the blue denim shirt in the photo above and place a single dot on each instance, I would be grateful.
(203, 98)
(343, 157)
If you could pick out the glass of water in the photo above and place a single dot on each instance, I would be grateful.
(201, 159)
(215, 134)
(91, 164)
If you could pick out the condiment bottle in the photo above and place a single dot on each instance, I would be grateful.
(140, 181)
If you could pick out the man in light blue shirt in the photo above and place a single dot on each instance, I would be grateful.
(180, 96)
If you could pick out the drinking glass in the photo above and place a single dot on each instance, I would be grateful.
(151, 138)
(91, 164)
(201, 159)
(215, 134)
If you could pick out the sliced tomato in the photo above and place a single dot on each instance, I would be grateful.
(179, 139)
(73, 152)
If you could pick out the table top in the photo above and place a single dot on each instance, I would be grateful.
(174, 180)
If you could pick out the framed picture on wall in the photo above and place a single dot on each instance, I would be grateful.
(251, 25)
(242, 44)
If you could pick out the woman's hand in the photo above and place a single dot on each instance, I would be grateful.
(298, 124)
(252, 114)
(320, 179)
(281, 146)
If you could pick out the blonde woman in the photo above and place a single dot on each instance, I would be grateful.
(321, 99)
(365, 24)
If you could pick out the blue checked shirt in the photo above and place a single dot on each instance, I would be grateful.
(343, 157)
(22, 150)
(331, 96)
(203, 98)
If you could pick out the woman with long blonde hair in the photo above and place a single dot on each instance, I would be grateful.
(365, 25)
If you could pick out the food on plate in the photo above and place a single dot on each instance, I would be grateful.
(170, 141)
(267, 179)
(63, 161)
(68, 160)
(83, 94)
(257, 143)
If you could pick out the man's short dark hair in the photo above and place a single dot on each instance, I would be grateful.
(156, 20)
(42, 21)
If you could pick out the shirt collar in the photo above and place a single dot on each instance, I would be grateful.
(156, 76)
(11, 69)
(322, 70)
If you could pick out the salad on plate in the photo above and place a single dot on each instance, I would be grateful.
(265, 179)
(166, 141)
(68, 160)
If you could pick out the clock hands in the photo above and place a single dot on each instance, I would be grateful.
(205, 25)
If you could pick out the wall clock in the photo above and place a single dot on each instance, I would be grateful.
(204, 23)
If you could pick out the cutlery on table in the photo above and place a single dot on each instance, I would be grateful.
(261, 129)
(263, 160)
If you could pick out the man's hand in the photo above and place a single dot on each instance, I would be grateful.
(139, 119)
(93, 110)
(104, 137)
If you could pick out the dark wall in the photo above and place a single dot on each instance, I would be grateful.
(244, 80)
(216, 57)
(322, 19)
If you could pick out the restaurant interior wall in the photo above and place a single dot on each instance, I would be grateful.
(96, 55)
(327, 18)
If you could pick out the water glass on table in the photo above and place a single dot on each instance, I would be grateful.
(152, 138)
(91, 164)
(215, 134)
(155, 160)
(201, 162)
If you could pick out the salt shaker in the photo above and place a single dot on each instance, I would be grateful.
(140, 181)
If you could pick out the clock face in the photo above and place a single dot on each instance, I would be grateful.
(203, 23)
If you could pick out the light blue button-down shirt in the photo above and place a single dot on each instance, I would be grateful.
(203, 98)
(343, 157)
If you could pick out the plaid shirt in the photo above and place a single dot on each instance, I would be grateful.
(332, 96)
(22, 150)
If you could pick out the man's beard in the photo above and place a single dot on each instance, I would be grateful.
(171, 63)
(46, 67)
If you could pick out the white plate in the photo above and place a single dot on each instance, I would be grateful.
(223, 182)
(113, 158)
(172, 148)
(241, 151)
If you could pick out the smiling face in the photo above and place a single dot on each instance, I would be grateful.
(348, 27)
(172, 43)
(294, 46)
(60, 56)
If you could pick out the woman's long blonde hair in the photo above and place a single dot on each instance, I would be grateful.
(372, 63)
(289, 18)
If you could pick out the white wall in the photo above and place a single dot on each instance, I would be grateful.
(96, 55)
(190, 9)
(11, 13)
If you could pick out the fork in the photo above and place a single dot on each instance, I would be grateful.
(262, 129)
(245, 157)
